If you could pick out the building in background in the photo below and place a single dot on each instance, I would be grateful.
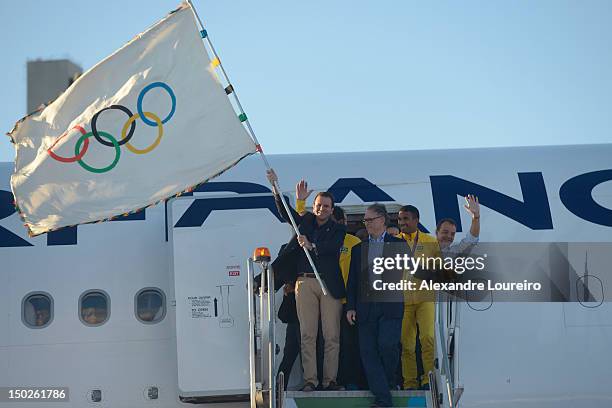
(47, 79)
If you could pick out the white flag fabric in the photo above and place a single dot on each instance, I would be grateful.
(147, 123)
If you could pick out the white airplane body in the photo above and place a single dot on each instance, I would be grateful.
(511, 354)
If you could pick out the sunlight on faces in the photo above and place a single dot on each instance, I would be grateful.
(322, 208)
(407, 222)
(374, 222)
(446, 234)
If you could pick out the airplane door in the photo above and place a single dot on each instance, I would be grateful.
(209, 263)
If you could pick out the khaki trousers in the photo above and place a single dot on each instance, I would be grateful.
(312, 304)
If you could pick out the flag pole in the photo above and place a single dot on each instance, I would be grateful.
(243, 117)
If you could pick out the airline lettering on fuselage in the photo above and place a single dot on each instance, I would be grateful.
(576, 196)
(7, 208)
(365, 190)
(199, 210)
(533, 211)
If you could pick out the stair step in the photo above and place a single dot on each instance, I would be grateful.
(357, 399)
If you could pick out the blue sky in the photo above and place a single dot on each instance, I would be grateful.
(318, 76)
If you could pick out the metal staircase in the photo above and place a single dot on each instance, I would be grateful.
(267, 385)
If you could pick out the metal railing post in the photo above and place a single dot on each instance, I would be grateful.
(251, 300)
(271, 337)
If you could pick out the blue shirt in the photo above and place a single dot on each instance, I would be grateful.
(461, 248)
(375, 250)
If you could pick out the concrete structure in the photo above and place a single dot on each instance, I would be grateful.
(47, 79)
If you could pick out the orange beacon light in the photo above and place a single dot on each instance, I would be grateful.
(262, 254)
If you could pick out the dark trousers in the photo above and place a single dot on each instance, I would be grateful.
(292, 350)
(379, 340)
(350, 371)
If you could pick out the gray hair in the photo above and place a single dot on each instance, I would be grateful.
(381, 210)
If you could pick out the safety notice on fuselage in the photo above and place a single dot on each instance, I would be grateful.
(200, 306)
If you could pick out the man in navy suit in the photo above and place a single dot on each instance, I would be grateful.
(378, 315)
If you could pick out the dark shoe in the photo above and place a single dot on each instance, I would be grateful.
(334, 387)
(308, 387)
(424, 387)
(352, 387)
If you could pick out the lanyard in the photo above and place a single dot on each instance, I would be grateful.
(414, 247)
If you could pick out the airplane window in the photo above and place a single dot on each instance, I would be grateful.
(590, 292)
(37, 310)
(150, 305)
(94, 307)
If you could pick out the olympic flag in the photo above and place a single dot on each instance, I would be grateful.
(147, 123)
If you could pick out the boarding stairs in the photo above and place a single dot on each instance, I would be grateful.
(266, 385)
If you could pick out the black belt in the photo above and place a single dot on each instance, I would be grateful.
(308, 275)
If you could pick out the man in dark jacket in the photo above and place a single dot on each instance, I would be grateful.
(378, 315)
(323, 238)
(287, 314)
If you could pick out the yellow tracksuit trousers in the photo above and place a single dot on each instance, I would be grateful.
(423, 315)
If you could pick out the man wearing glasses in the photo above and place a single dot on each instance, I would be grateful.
(379, 322)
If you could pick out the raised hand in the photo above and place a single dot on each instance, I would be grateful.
(472, 206)
(301, 190)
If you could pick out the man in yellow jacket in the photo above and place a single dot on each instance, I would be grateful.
(419, 306)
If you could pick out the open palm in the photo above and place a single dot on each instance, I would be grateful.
(301, 190)
(472, 205)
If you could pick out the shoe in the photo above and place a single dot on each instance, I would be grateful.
(378, 404)
(424, 387)
(352, 387)
(334, 387)
(308, 387)
(411, 387)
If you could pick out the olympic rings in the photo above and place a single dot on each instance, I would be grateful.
(73, 158)
(93, 169)
(160, 132)
(127, 131)
(94, 129)
(141, 97)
